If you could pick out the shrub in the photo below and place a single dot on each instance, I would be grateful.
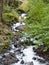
(38, 22)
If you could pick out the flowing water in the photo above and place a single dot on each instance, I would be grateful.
(29, 54)
(30, 57)
(25, 55)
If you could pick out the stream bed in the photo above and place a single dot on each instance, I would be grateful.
(19, 54)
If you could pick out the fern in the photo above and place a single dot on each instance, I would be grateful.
(38, 22)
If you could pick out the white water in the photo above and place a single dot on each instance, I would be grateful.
(29, 54)
(17, 25)
(22, 17)
(21, 23)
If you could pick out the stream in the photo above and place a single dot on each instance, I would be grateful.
(19, 54)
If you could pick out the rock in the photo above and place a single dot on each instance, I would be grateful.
(12, 54)
(41, 60)
(29, 63)
(47, 64)
(34, 58)
(1, 57)
(23, 54)
(22, 62)
(9, 59)
(15, 45)
(34, 49)
(0, 64)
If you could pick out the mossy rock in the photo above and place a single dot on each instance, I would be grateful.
(10, 18)
(1, 24)
(4, 45)
(24, 6)
(8, 33)
(1, 39)
(5, 37)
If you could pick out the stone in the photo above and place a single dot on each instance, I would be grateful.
(34, 49)
(15, 45)
(23, 54)
(9, 59)
(34, 58)
(29, 63)
(41, 60)
(22, 62)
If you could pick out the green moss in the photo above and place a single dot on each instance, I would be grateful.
(6, 8)
(24, 6)
(5, 37)
(9, 18)
(4, 45)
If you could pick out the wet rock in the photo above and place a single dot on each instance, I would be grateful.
(47, 64)
(34, 58)
(9, 59)
(22, 62)
(15, 45)
(29, 63)
(34, 49)
(0, 64)
(41, 60)
(12, 54)
(23, 54)
(3, 56)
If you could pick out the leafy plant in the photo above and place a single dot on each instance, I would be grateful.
(38, 22)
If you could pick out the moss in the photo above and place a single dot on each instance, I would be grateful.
(10, 18)
(5, 37)
(0, 24)
(24, 6)
(7, 43)
(6, 8)
(4, 45)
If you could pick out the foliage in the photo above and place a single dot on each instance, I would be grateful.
(10, 17)
(46, 1)
(38, 22)
(6, 8)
